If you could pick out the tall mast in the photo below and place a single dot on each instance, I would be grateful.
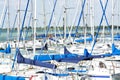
(32, 18)
(8, 21)
(112, 22)
(4, 9)
(92, 17)
(85, 23)
(35, 19)
(93, 20)
(65, 20)
(103, 27)
(118, 15)
(18, 28)
(44, 14)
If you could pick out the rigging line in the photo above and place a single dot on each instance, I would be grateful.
(15, 57)
(24, 20)
(54, 19)
(81, 13)
(20, 35)
(99, 26)
(13, 25)
(105, 17)
(4, 18)
(4, 9)
(59, 23)
(28, 26)
(74, 19)
(51, 18)
(50, 3)
(48, 27)
(60, 20)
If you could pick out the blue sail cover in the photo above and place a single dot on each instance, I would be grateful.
(83, 40)
(21, 59)
(46, 57)
(74, 59)
(86, 56)
(6, 77)
(43, 48)
(115, 51)
(69, 57)
(80, 58)
(69, 60)
(7, 50)
(117, 37)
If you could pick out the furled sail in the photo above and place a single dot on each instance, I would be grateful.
(86, 56)
(46, 57)
(7, 50)
(21, 59)
(115, 51)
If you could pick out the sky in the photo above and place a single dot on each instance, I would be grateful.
(73, 12)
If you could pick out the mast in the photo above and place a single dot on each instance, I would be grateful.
(92, 17)
(65, 20)
(32, 18)
(4, 10)
(18, 28)
(44, 14)
(103, 27)
(35, 19)
(93, 25)
(118, 15)
(8, 27)
(112, 22)
(85, 23)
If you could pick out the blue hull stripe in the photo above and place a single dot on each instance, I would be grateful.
(99, 76)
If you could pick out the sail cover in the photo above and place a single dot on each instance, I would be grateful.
(7, 50)
(21, 59)
(7, 77)
(115, 51)
(86, 56)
